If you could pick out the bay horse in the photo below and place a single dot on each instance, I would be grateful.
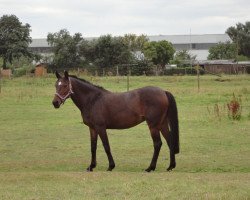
(102, 109)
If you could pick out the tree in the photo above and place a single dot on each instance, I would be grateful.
(222, 51)
(240, 35)
(87, 51)
(184, 58)
(110, 51)
(160, 53)
(134, 42)
(14, 39)
(65, 48)
(141, 67)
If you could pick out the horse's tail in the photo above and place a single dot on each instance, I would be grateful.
(172, 116)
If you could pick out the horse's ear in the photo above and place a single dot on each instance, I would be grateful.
(66, 74)
(58, 75)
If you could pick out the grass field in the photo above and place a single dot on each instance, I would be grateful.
(44, 152)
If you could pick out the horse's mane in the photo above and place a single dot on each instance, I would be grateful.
(87, 82)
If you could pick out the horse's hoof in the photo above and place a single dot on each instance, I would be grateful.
(149, 169)
(170, 168)
(89, 169)
(111, 167)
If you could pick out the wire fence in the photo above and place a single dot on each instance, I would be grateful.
(133, 70)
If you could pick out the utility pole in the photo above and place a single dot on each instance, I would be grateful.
(190, 48)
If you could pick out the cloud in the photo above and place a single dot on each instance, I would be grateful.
(117, 17)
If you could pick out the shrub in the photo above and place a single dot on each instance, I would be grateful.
(21, 71)
(234, 108)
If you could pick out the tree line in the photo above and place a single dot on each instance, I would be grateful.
(108, 51)
(238, 49)
(73, 51)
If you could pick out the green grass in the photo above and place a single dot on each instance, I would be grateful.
(44, 152)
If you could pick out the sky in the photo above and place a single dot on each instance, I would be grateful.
(93, 18)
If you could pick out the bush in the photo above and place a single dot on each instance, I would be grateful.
(141, 67)
(182, 71)
(234, 108)
(21, 71)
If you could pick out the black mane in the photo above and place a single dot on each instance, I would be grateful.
(83, 80)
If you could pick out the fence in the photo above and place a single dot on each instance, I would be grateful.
(135, 70)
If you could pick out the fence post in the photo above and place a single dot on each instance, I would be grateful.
(128, 73)
(0, 82)
(198, 76)
(78, 71)
(117, 70)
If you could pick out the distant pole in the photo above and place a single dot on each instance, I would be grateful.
(190, 48)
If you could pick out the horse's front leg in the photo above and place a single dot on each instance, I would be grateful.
(104, 137)
(93, 139)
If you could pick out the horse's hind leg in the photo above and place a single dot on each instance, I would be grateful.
(167, 135)
(155, 134)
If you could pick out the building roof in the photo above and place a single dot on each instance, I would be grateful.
(188, 39)
(216, 62)
(244, 62)
(41, 42)
(174, 39)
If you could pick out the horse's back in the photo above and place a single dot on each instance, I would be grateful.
(138, 98)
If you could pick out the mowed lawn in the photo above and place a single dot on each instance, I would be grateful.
(44, 152)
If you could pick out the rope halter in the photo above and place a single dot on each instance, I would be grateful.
(63, 98)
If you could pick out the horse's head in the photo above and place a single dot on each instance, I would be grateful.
(63, 89)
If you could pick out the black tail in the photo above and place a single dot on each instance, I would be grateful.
(172, 116)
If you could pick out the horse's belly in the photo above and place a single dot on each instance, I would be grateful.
(124, 121)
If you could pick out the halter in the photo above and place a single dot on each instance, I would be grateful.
(63, 98)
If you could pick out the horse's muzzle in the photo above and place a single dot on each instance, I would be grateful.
(56, 104)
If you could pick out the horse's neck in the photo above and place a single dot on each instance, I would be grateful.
(83, 94)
